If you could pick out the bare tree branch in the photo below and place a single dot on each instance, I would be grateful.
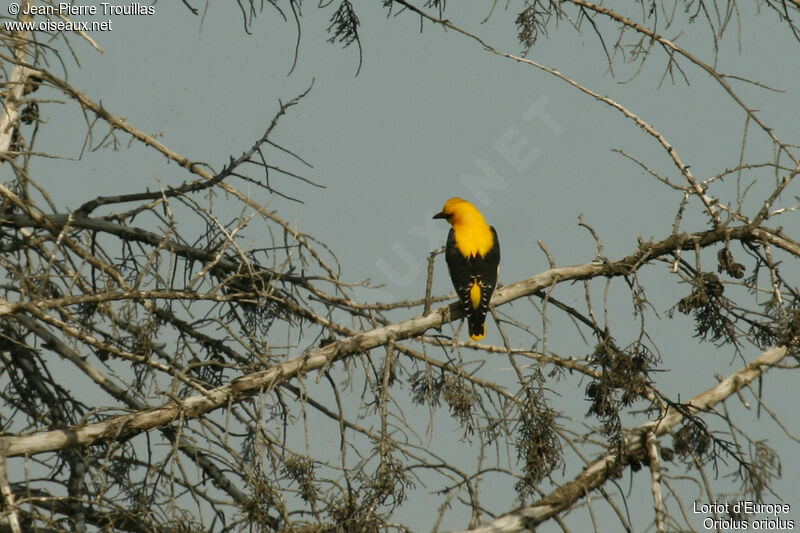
(597, 473)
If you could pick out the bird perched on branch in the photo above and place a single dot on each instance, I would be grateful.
(473, 258)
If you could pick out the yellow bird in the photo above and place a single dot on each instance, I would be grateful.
(473, 258)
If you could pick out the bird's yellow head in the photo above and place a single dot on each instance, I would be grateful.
(460, 212)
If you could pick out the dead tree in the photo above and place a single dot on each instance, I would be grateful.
(162, 373)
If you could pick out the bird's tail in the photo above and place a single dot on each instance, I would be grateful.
(477, 326)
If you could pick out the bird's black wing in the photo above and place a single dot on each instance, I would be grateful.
(492, 261)
(460, 268)
(466, 271)
(484, 270)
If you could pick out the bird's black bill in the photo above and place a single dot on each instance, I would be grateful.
(440, 215)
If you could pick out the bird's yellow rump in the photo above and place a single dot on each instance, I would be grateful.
(473, 258)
